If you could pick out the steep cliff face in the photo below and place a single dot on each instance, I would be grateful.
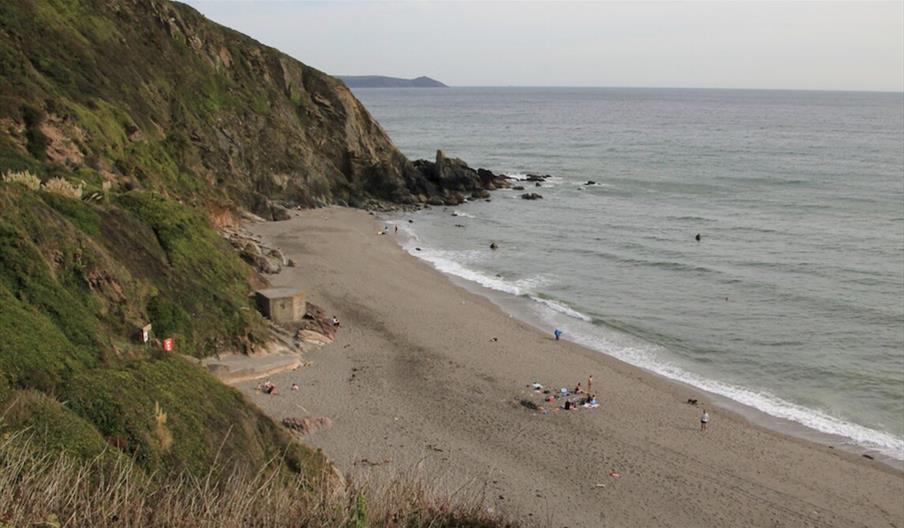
(158, 120)
(150, 94)
(126, 126)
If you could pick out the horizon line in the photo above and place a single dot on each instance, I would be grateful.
(834, 90)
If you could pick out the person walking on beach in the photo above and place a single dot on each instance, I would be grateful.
(704, 419)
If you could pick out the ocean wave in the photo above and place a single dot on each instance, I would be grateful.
(562, 308)
(446, 262)
(690, 219)
(459, 213)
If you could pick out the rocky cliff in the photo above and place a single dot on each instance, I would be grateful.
(123, 94)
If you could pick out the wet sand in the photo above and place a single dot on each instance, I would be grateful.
(426, 377)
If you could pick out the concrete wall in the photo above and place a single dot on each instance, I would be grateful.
(281, 309)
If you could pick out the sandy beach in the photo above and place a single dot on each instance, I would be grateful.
(426, 377)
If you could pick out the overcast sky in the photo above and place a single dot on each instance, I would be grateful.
(802, 45)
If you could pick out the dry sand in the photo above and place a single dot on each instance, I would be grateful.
(426, 377)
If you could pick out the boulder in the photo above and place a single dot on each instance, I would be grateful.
(306, 426)
(279, 213)
(531, 196)
(454, 199)
(278, 255)
(261, 263)
(252, 249)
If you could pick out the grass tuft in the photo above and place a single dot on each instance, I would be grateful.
(36, 488)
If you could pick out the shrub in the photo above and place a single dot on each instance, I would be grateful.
(63, 188)
(25, 177)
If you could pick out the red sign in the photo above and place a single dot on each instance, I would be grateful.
(168, 344)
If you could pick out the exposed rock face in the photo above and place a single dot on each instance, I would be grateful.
(447, 180)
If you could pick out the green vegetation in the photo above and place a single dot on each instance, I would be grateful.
(152, 95)
(127, 124)
(77, 279)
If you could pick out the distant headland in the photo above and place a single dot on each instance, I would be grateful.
(380, 81)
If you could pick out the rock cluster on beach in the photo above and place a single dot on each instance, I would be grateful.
(263, 258)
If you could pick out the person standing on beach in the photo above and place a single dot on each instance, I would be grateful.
(590, 384)
(704, 419)
(557, 333)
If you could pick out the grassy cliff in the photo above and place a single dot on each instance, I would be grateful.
(149, 94)
(128, 129)
(77, 279)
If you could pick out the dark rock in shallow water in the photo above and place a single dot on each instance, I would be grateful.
(493, 245)
(447, 177)
(535, 178)
(538, 184)
(531, 196)
(518, 188)
(590, 182)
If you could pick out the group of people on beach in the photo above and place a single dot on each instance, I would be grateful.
(268, 387)
(572, 404)
(571, 399)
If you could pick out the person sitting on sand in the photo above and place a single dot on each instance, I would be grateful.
(577, 390)
(334, 321)
(268, 388)
(294, 386)
(704, 419)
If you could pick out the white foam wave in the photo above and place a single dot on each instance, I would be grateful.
(763, 401)
(562, 309)
(459, 213)
(441, 261)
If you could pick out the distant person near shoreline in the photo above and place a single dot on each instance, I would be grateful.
(704, 420)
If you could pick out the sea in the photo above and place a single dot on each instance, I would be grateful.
(790, 306)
